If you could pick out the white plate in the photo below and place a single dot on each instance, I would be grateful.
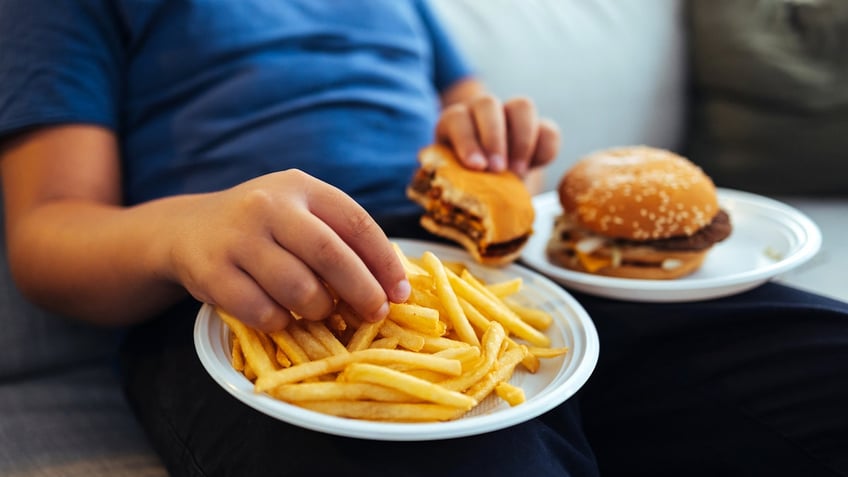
(557, 379)
(768, 238)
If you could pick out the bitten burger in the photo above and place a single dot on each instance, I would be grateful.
(490, 214)
(636, 212)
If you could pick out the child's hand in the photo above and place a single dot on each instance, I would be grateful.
(268, 246)
(488, 135)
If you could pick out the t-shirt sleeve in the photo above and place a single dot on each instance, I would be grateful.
(450, 65)
(60, 63)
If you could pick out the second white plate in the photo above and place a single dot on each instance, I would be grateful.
(768, 238)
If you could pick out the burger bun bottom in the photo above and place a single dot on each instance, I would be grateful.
(470, 245)
(640, 262)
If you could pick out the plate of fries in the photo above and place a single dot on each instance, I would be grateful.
(473, 350)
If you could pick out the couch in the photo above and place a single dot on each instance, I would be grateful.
(608, 71)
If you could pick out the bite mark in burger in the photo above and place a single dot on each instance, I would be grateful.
(489, 213)
(636, 212)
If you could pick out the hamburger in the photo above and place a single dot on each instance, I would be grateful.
(489, 213)
(636, 212)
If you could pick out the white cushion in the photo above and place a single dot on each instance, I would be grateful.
(609, 72)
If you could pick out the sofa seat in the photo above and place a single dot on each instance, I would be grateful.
(69, 423)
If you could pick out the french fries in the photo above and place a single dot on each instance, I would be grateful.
(454, 343)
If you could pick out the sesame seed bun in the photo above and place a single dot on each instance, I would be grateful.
(490, 214)
(638, 193)
(636, 212)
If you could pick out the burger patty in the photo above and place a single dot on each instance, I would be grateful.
(421, 181)
(505, 248)
(449, 215)
(718, 230)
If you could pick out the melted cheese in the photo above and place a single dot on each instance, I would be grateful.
(593, 264)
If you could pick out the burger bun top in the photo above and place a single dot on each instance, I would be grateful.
(638, 193)
(500, 199)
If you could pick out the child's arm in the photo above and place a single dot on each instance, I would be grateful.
(257, 250)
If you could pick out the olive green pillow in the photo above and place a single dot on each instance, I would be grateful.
(770, 94)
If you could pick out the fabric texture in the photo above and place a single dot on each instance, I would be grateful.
(751, 384)
(72, 423)
(770, 86)
(205, 95)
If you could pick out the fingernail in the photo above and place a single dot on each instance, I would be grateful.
(381, 312)
(401, 291)
(477, 161)
(497, 163)
(271, 320)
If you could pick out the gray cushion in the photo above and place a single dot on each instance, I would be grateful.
(73, 423)
(770, 109)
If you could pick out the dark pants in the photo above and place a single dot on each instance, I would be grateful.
(754, 384)
(750, 385)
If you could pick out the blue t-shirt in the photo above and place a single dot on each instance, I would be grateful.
(204, 94)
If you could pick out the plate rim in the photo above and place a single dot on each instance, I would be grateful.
(385, 431)
(704, 288)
